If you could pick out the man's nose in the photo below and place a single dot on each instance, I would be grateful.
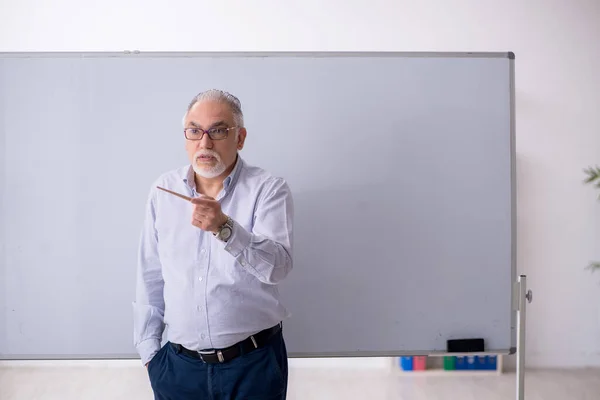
(206, 142)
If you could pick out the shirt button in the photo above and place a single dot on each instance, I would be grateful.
(199, 308)
(203, 251)
(203, 336)
(243, 263)
(200, 279)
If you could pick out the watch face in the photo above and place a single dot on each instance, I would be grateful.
(226, 233)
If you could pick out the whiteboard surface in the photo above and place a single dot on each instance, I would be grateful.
(401, 166)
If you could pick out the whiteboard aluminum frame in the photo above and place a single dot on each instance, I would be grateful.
(257, 54)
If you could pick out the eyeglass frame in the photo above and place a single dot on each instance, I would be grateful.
(207, 132)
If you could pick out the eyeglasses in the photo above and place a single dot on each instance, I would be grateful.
(213, 134)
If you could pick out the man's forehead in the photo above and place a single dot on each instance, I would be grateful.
(211, 107)
(205, 113)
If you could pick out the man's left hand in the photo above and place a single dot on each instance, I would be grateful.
(207, 214)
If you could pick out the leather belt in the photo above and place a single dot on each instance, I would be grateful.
(214, 356)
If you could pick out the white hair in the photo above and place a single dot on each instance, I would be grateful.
(222, 96)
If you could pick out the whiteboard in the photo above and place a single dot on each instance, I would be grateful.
(402, 167)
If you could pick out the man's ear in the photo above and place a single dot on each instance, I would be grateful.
(241, 138)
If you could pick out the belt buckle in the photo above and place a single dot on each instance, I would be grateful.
(219, 354)
(205, 353)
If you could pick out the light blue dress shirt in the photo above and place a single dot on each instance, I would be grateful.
(207, 293)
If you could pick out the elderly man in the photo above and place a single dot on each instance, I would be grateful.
(208, 268)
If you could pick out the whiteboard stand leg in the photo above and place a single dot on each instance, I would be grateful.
(524, 297)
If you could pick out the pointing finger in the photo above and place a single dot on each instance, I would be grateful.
(202, 200)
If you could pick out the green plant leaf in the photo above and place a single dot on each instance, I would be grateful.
(593, 174)
(595, 266)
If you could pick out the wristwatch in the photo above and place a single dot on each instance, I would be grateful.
(225, 230)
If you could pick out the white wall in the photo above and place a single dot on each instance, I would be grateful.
(557, 46)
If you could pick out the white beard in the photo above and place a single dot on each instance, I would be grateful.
(206, 170)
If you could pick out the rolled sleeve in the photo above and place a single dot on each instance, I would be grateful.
(148, 349)
(266, 251)
(149, 306)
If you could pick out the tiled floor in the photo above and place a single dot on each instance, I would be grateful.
(129, 382)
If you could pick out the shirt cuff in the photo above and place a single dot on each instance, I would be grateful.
(238, 241)
(148, 349)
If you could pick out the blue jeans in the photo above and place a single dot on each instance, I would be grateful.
(261, 374)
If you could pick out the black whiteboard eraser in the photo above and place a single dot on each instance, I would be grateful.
(465, 345)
